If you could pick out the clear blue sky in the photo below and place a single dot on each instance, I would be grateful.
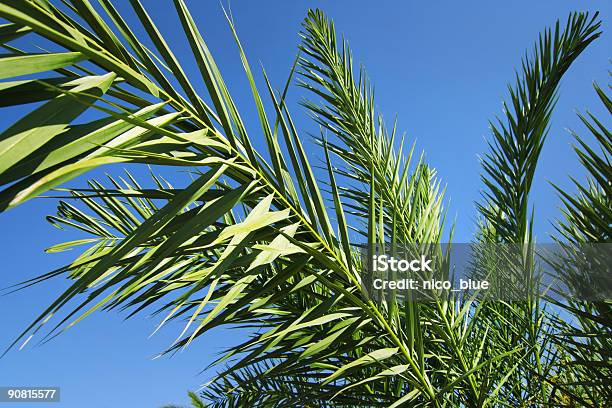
(441, 67)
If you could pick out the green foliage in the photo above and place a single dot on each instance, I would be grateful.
(587, 339)
(510, 165)
(255, 241)
(509, 168)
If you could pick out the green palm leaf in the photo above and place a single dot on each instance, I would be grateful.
(587, 340)
(508, 171)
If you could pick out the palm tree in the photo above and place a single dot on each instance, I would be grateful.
(255, 240)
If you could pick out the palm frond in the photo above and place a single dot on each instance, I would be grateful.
(411, 198)
(518, 139)
(587, 340)
(508, 171)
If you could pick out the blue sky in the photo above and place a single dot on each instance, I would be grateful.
(441, 67)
